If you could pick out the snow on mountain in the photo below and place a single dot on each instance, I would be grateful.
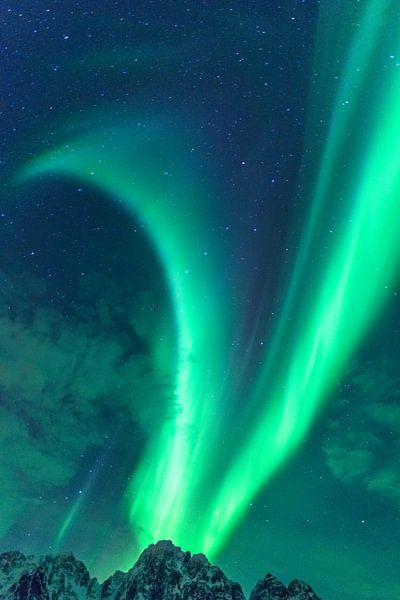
(270, 588)
(58, 577)
(162, 572)
(165, 572)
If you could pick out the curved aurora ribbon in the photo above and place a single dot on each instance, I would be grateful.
(136, 166)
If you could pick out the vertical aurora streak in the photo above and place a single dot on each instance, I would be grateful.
(335, 300)
(346, 297)
(361, 48)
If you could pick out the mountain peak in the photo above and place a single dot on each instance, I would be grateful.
(166, 550)
(271, 588)
(163, 549)
(298, 590)
(164, 571)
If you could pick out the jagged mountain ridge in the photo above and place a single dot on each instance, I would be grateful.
(162, 572)
(270, 588)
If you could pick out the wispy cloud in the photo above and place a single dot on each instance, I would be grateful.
(367, 452)
(66, 383)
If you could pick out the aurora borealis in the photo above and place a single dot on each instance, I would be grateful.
(201, 258)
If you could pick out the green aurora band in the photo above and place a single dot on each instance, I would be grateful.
(337, 307)
(366, 38)
(330, 304)
(126, 168)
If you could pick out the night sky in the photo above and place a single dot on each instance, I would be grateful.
(199, 266)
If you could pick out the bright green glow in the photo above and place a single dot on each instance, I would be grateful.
(344, 300)
(135, 167)
(349, 87)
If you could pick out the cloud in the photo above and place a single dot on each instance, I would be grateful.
(364, 448)
(385, 414)
(386, 481)
(348, 458)
(68, 383)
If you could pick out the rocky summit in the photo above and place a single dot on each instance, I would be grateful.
(165, 572)
(162, 572)
(270, 588)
